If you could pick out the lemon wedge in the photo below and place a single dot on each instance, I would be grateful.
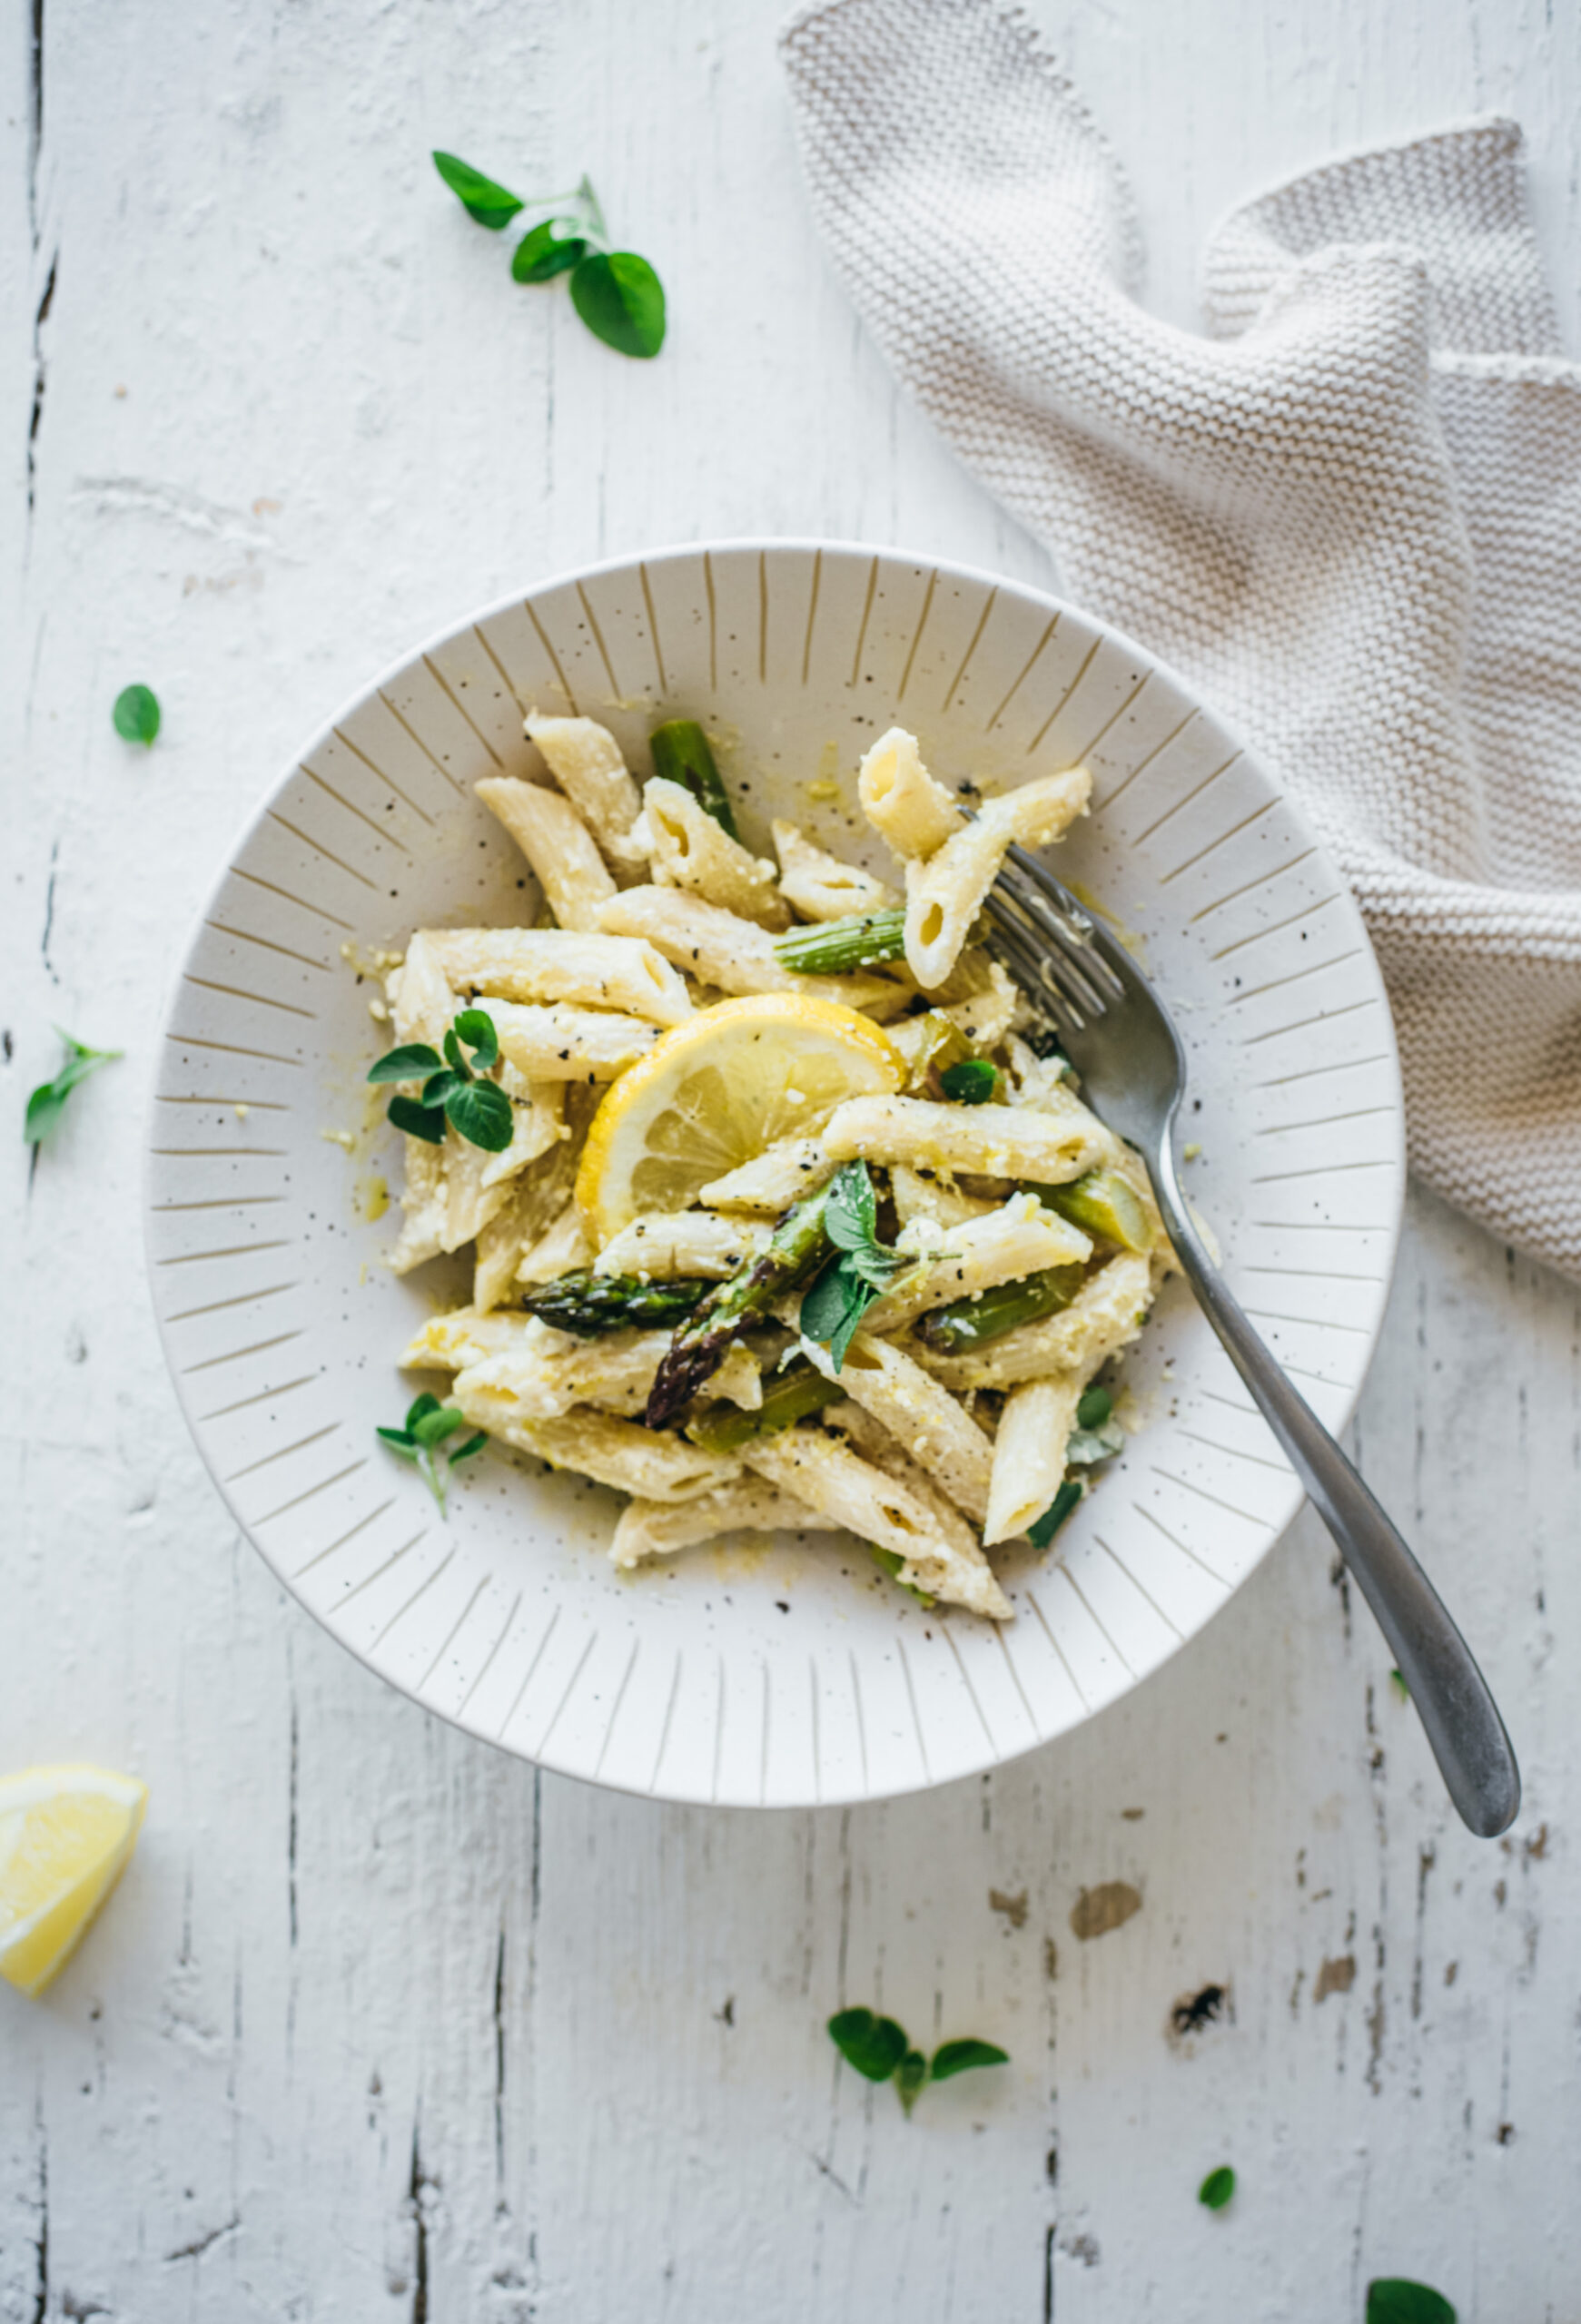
(715, 1091)
(66, 1835)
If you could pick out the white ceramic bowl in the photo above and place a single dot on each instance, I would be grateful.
(774, 1676)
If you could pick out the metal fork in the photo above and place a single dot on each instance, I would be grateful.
(1120, 1040)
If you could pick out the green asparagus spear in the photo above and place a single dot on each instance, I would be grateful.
(589, 1304)
(1101, 1204)
(681, 755)
(967, 1323)
(788, 1397)
(858, 941)
(697, 1349)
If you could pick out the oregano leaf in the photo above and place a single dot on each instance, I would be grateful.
(427, 1122)
(824, 1303)
(621, 299)
(858, 1299)
(137, 714)
(475, 1028)
(961, 2057)
(851, 1209)
(1085, 1445)
(542, 253)
(408, 1064)
(874, 2046)
(492, 205)
(435, 1426)
(1395, 2300)
(483, 1114)
(46, 1104)
(1217, 2188)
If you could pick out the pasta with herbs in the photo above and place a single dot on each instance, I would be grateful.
(786, 1214)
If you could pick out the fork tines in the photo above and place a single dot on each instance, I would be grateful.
(1048, 942)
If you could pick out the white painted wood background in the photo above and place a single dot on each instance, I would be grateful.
(382, 2025)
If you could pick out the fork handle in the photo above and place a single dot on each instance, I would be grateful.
(1452, 1698)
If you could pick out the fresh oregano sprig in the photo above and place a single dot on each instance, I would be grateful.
(420, 1439)
(453, 1091)
(861, 1269)
(616, 294)
(48, 1102)
(881, 2050)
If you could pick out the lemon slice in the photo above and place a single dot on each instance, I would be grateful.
(66, 1837)
(715, 1091)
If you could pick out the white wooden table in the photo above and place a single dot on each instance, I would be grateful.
(381, 2023)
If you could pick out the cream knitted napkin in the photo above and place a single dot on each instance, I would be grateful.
(1351, 515)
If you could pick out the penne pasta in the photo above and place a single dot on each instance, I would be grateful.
(547, 1372)
(597, 1444)
(422, 1206)
(557, 846)
(559, 964)
(868, 1436)
(693, 852)
(657, 1529)
(465, 1336)
(562, 1246)
(471, 1199)
(934, 1196)
(1106, 1315)
(772, 1180)
(1029, 1453)
(938, 1556)
(944, 893)
(421, 1002)
(585, 760)
(1042, 1086)
(566, 1044)
(685, 1242)
(734, 955)
(901, 799)
(500, 1245)
(540, 1125)
(820, 886)
(923, 1417)
(994, 1141)
(1016, 1238)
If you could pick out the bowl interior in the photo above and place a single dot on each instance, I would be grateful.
(774, 1674)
